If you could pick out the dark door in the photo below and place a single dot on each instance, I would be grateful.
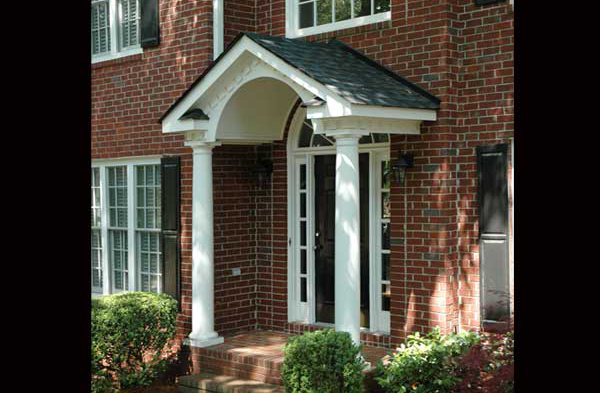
(325, 238)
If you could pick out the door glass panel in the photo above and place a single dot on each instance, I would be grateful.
(385, 236)
(386, 210)
(302, 261)
(385, 297)
(303, 233)
(385, 268)
(303, 177)
(303, 289)
(303, 205)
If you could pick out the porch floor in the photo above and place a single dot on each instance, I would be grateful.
(257, 355)
(265, 346)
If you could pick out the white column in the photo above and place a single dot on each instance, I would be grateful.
(347, 236)
(203, 320)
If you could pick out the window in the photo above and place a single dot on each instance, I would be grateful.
(384, 222)
(126, 227)
(115, 29)
(306, 17)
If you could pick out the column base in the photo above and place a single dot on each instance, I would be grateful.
(203, 342)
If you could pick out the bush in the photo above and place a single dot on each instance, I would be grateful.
(425, 364)
(129, 334)
(489, 365)
(324, 361)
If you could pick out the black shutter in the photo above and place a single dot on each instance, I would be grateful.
(493, 232)
(170, 245)
(149, 27)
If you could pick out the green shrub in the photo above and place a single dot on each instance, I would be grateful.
(324, 361)
(425, 364)
(129, 334)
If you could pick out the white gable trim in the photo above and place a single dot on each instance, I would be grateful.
(246, 62)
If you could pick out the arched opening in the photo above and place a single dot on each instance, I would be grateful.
(256, 112)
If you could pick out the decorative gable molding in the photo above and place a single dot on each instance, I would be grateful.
(248, 93)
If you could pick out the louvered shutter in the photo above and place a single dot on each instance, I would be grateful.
(493, 232)
(170, 202)
(149, 28)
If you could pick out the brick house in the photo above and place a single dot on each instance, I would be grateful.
(286, 165)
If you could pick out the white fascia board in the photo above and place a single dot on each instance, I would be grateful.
(325, 110)
(142, 160)
(186, 125)
(360, 124)
(394, 113)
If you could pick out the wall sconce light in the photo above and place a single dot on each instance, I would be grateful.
(263, 169)
(400, 166)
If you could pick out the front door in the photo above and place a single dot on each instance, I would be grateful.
(324, 243)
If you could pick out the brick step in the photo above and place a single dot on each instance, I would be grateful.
(247, 367)
(218, 383)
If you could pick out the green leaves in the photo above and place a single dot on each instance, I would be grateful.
(129, 334)
(324, 361)
(425, 364)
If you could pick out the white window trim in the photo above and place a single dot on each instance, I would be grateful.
(134, 271)
(291, 22)
(115, 47)
(379, 321)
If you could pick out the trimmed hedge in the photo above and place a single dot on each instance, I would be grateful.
(324, 361)
(130, 331)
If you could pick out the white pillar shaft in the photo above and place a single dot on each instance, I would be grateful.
(203, 333)
(347, 237)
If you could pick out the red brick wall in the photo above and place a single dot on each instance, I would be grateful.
(238, 16)
(235, 237)
(459, 52)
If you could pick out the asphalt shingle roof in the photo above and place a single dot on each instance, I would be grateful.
(342, 69)
(348, 73)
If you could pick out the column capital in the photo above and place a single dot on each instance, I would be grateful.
(347, 137)
(200, 147)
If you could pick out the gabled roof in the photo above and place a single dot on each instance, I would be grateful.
(349, 73)
(345, 71)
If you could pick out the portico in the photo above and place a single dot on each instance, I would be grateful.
(246, 97)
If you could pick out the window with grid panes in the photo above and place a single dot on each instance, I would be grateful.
(131, 236)
(96, 233)
(148, 226)
(115, 27)
(318, 16)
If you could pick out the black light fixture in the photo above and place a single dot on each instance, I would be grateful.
(263, 169)
(400, 166)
